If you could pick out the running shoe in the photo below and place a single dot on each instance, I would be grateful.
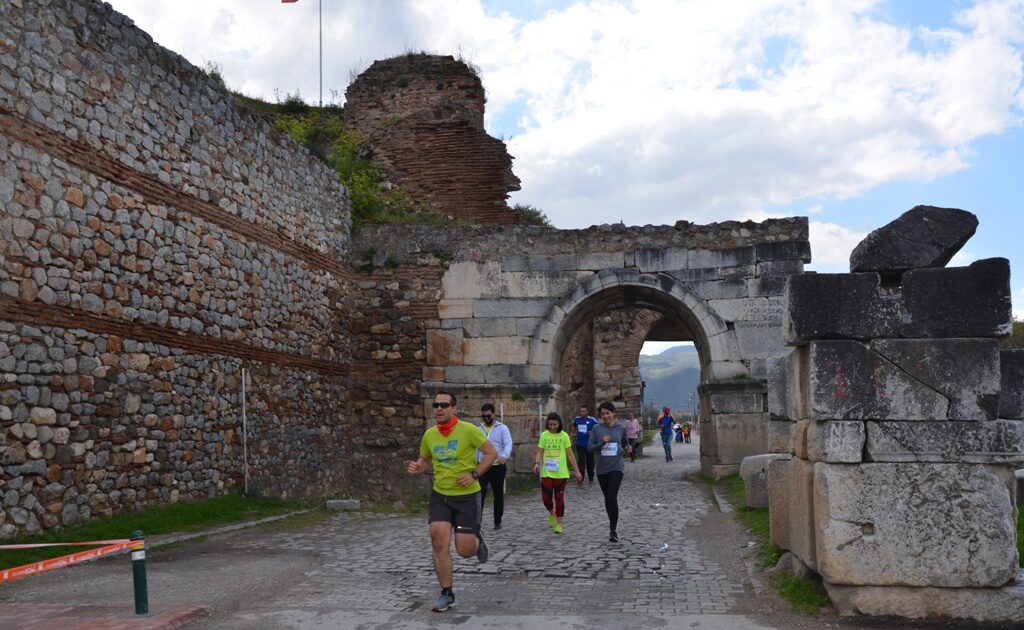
(558, 529)
(444, 602)
(613, 537)
(551, 520)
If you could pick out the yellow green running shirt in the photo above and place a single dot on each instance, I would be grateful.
(554, 464)
(452, 456)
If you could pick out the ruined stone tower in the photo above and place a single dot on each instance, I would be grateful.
(423, 117)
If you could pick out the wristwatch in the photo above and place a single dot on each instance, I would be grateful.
(475, 474)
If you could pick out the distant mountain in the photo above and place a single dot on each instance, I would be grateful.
(671, 377)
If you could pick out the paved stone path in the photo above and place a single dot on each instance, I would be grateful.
(678, 564)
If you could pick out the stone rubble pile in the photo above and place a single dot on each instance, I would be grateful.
(898, 421)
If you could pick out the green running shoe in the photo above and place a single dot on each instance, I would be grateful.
(551, 520)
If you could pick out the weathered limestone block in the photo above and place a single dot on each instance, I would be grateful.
(739, 435)
(791, 502)
(923, 236)
(759, 339)
(511, 307)
(849, 382)
(837, 306)
(444, 347)
(951, 525)
(788, 382)
(737, 402)
(534, 284)
(754, 472)
(784, 250)
(997, 442)
(998, 605)
(1011, 388)
(966, 371)
(496, 350)
(454, 309)
(971, 301)
(780, 436)
(835, 441)
(472, 280)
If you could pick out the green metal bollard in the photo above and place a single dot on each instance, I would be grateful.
(139, 574)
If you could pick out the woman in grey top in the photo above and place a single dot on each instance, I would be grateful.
(609, 439)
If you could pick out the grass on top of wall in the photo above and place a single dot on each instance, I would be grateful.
(184, 516)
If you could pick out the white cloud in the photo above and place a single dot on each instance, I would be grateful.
(831, 245)
(961, 259)
(654, 111)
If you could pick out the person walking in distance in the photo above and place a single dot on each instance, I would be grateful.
(665, 421)
(609, 440)
(454, 504)
(633, 434)
(582, 425)
(498, 435)
(554, 450)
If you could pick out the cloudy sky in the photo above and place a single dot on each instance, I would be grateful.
(646, 111)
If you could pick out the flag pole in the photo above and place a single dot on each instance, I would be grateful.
(320, 7)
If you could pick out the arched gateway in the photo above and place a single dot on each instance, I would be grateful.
(504, 322)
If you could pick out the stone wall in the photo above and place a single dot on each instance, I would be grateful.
(156, 239)
(899, 448)
(423, 116)
(618, 339)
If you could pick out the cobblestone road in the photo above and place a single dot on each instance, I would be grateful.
(383, 563)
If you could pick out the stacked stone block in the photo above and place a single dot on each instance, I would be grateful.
(900, 447)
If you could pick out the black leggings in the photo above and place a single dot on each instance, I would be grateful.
(586, 460)
(610, 483)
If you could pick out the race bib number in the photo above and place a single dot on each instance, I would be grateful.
(582, 428)
(551, 465)
(611, 449)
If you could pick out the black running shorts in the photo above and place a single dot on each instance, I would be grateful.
(461, 511)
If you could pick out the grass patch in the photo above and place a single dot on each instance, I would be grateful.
(164, 519)
(1020, 536)
(804, 595)
(754, 519)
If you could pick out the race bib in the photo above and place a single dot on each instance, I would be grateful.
(551, 465)
(582, 428)
(611, 449)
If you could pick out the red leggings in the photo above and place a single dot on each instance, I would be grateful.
(552, 491)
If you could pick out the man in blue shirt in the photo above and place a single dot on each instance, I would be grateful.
(666, 421)
(582, 425)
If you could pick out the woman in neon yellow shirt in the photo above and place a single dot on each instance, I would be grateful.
(553, 449)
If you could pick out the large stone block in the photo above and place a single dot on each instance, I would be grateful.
(737, 402)
(997, 442)
(780, 436)
(784, 250)
(966, 371)
(471, 280)
(923, 236)
(969, 301)
(444, 347)
(836, 441)
(495, 350)
(754, 472)
(788, 382)
(511, 307)
(791, 508)
(849, 382)
(837, 306)
(997, 605)
(759, 339)
(660, 259)
(1011, 386)
(950, 525)
(534, 284)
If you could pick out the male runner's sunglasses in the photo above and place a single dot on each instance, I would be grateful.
(443, 405)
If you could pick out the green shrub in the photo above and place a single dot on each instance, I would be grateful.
(530, 215)
(1016, 339)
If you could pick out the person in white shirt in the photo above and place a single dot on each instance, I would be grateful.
(498, 435)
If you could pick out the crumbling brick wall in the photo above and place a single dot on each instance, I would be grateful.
(423, 116)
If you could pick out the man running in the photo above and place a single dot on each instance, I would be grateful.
(455, 499)
(583, 424)
(498, 435)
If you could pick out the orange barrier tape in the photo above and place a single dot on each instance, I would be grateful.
(64, 561)
(90, 543)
